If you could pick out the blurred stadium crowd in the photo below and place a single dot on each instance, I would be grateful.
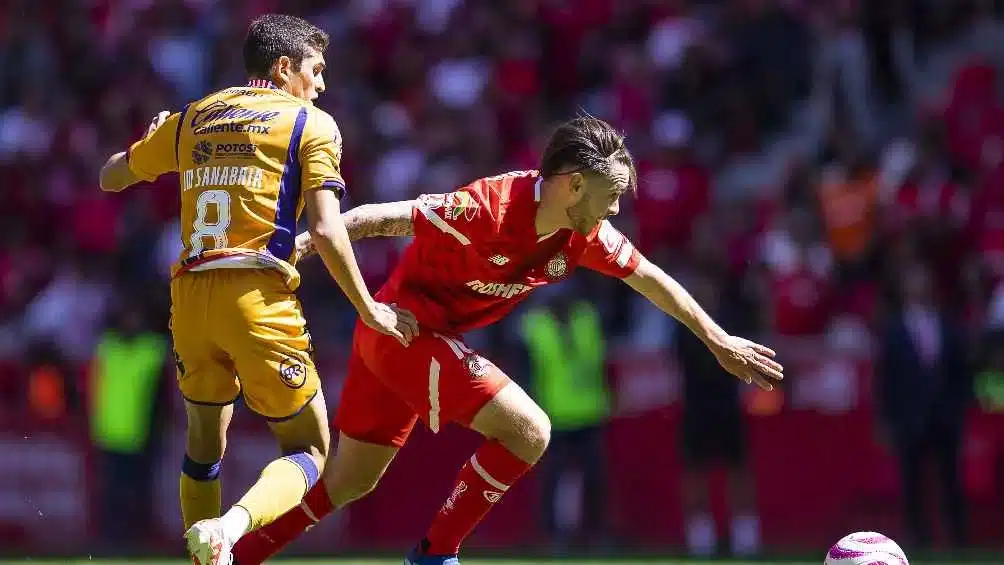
(803, 156)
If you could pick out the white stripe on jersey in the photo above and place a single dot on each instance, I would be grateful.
(625, 253)
(440, 223)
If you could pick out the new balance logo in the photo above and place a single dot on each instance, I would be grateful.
(499, 260)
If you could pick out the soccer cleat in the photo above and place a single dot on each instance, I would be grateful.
(419, 557)
(207, 545)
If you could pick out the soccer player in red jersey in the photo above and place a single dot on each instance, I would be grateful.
(476, 253)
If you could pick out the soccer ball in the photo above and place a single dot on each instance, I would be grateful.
(866, 548)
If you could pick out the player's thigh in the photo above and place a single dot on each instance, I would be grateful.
(206, 440)
(306, 432)
(369, 411)
(513, 419)
(206, 373)
(356, 468)
(266, 335)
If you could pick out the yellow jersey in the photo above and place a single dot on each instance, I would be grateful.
(245, 156)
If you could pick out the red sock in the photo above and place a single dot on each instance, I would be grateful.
(480, 484)
(259, 545)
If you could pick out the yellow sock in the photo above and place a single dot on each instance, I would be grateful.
(281, 486)
(200, 500)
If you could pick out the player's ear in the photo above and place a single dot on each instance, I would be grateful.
(577, 185)
(282, 70)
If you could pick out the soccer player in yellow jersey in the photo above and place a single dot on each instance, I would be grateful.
(250, 159)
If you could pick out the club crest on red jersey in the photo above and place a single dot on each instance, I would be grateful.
(557, 266)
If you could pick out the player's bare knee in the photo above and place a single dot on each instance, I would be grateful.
(204, 447)
(307, 433)
(346, 483)
(205, 443)
(528, 434)
(342, 491)
(537, 431)
(206, 439)
(356, 469)
(513, 419)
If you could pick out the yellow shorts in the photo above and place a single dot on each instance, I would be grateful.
(242, 331)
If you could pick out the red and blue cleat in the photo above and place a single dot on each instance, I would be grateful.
(418, 556)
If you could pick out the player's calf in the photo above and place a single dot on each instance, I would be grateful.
(200, 471)
(354, 471)
(305, 439)
(518, 432)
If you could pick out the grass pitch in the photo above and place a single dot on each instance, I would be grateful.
(535, 561)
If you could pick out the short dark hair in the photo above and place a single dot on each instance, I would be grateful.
(273, 35)
(586, 144)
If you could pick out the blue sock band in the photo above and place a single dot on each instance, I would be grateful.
(201, 471)
(306, 464)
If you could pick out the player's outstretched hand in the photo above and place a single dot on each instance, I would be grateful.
(157, 121)
(751, 362)
(390, 320)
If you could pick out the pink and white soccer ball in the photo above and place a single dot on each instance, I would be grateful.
(866, 548)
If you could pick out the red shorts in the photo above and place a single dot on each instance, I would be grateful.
(437, 378)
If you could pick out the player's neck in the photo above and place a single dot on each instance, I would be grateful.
(550, 216)
(268, 82)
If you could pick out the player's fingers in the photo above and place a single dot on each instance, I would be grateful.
(408, 318)
(760, 381)
(406, 330)
(771, 364)
(412, 324)
(762, 349)
(157, 121)
(767, 371)
(405, 319)
(399, 337)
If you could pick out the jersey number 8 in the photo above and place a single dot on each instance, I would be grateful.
(219, 199)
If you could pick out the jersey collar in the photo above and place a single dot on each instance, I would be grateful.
(261, 83)
(527, 201)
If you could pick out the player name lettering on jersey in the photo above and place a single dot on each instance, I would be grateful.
(501, 290)
(250, 177)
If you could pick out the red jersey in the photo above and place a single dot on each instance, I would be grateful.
(476, 254)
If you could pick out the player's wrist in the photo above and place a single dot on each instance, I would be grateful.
(367, 309)
(715, 339)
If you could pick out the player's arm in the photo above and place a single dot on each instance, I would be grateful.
(388, 219)
(665, 292)
(745, 359)
(459, 215)
(323, 188)
(147, 159)
(611, 253)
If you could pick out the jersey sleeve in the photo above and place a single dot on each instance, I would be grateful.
(610, 252)
(464, 214)
(156, 153)
(321, 154)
